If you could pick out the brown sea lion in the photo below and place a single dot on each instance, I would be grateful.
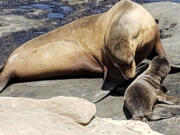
(109, 44)
(143, 93)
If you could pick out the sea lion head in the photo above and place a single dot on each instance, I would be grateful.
(123, 59)
(160, 66)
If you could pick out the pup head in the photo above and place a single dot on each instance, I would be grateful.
(160, 66)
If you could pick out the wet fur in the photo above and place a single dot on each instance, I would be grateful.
(144, 92)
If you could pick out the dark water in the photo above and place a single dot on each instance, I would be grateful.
(58, 10)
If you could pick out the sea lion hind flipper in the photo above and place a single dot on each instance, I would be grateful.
(167, 99)
(4, 79)
(3, 83)
(175, 68)
(162, 99)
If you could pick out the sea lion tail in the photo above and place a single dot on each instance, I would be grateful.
(1, 67)
(175, 68)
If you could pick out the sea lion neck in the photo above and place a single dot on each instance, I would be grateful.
(152, 78)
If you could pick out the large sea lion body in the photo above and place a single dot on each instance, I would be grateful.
(110, 43)
(144, 92)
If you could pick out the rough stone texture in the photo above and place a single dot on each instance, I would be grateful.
(14, 23)
(21, 116)
(111, 107)
(168, 15)
(169, 25)
(73, 2)
(79, 110)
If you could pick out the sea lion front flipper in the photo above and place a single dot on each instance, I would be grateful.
(100, 96)
(174, 69)
(112, 79)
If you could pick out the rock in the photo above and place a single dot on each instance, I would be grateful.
(73, 2)
(111, 107)
(56, 15)
(22, 116)
(79, 110)
(169, 25)
(107, 126)
(66, 9)
(14, 23)
(41, 6)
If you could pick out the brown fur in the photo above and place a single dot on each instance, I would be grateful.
(141, 96)
(89, 46)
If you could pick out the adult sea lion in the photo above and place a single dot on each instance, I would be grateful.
(109, 44)
(143, 93)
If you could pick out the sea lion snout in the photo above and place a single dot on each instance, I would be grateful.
(130, 70)
(127, 68)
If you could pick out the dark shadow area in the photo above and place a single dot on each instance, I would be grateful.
(84, 75)
(126, 113)
(119, 90)
(164, 89)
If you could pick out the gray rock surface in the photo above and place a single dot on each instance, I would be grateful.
(168, 15)
(79, 110)
(169, 25)
(23, 116)
(14, 23)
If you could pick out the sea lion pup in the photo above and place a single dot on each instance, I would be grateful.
(142, 94)
(108, 44)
